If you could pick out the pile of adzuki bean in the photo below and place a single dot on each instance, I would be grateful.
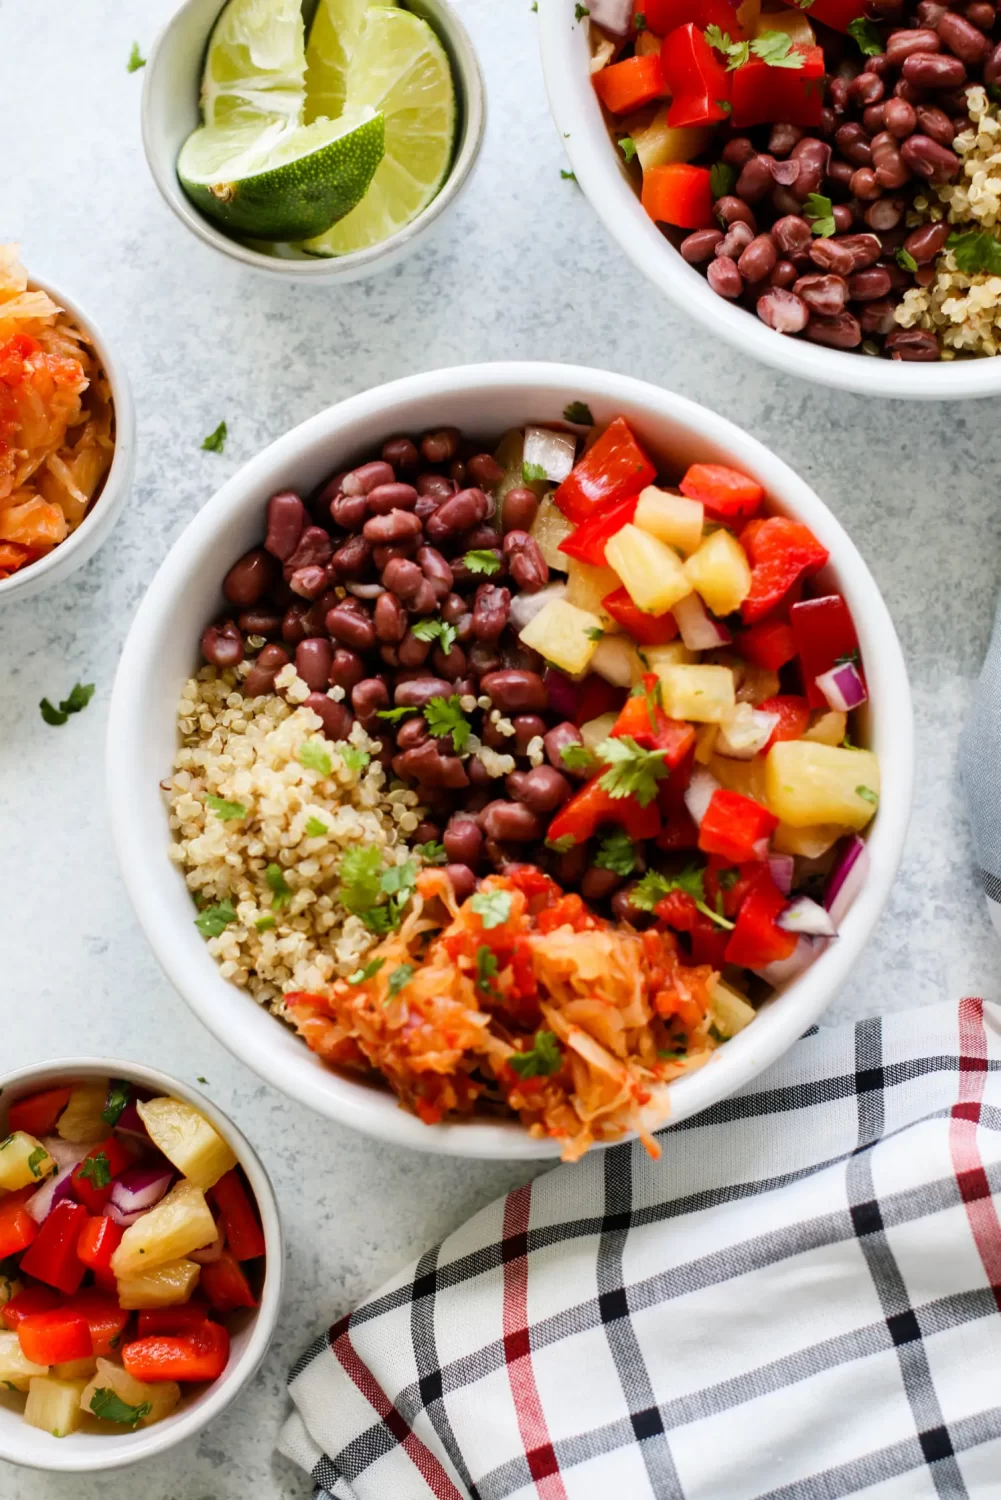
(886, 132)
(338, 586)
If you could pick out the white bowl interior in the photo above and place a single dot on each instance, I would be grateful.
(80, 1451)
(170, 112)
(601, 173)
(162, 651)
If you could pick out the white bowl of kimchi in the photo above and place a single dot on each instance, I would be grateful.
(67, 434)
(158, 657)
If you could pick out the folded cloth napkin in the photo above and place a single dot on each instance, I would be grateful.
(981, 763)
(799, 1300)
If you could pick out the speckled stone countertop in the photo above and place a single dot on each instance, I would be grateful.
(523, 270)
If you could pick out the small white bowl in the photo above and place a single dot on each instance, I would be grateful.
(96, 526)
(85, 1452)
(170, 112)
(602, 176)
(161, 652)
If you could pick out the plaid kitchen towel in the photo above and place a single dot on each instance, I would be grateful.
(799, 1300)
(981, 757)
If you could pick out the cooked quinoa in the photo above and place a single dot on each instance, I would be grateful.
(246, 751)
(964, 310)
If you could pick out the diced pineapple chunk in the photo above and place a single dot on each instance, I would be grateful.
(730, 1011)
(188, 1140)
(674, 654)
(653, 574)
(587, 586)
(162, 1396)
(549, 528)
(661, 143)
(827, 728)
(674, 519)
(23, 1160)
(565, 635)
(810, 842)
(179, 1223)
(618, 661)
(720, 572)
(15, 1370)
(744, 776)
(164, 1287)
(81, 1121)
(75, 1369)
(53, 1405)
(809, 783)
(703, 694)
(596, 730)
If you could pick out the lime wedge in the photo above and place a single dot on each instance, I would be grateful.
(400, 68)
(255, 65)
(333, 41)
(282, 182)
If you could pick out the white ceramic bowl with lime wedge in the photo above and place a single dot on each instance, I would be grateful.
(383, 228)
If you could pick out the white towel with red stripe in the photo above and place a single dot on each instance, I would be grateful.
(799, 1300)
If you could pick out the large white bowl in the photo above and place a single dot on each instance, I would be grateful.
(96, 526)
(601, 173)
(162, 651)
(81, 1452)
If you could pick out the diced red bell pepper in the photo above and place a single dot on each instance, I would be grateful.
(37, 1114)
(180, 1319)
(584, 813)
(794, 717)
(613, 468)
(53, 1338)
(757, 940)
(763, 94)
(198, 1355)
(225, 1285)
(770, 644)
(29, 1303)
(726, 493)
(587, 543)
(597, 696)
(823, 630)
(709, 942)
(105, 1319)
(838, 14)
(780, 551)
(109, 1159)
(663, 16)
(697, 81)
(680, 194)
(644, 720)
(628, 85)
(733, 825)
(644, 629)
(244, 1236)
(17, 1227)
(51, 1257)
(99, 1239)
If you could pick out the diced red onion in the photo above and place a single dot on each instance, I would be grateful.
(699, 631)
(553, 452)
(745, 733)
(699, 793)
(209, 1254)
(783, 970)
(562, 692)
(843, 687)
(53, 1191)
(847, 877)
(136, 1191)
(804, 915)
(614, 15)
(782, 867)
(525, 607)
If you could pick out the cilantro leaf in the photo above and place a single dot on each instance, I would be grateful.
(356, 760)
(281, 891)
(486, 970)
(215, 919)
(315, 829)
(444, 716)
(361, 878)
(394, 714)
(435, 630)
(36, 1159)
(776, 49)
(632, 771)
(818, 212)
(482, 560)
(110, 1407)
(533, 472)
(865, 33)
(722, 178)
(616, 853)
(627, 146)
(118, 1096)
(578, 412)
(492, 907)
(431, 853)
(314, 755)
(400, 976)
(905, 259)
(96, 1169)
(654, 886)
(216, 441)
(227, 812)
(368, 972)
(977, 250)
(577, 757)
(542, 1059)
(867, 794)
(136, 59)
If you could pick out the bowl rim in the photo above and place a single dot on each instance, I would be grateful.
(321, 268)
(117, 1452)
(604, 180)
(377, 1113)
(80, 545)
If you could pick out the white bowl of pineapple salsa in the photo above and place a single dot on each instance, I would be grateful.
(140, 1263)
(646, 797)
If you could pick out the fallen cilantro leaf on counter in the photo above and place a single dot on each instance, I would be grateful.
(482, 560)
(578, 412)
(444, 716)
(818, 212)
(492, 907)
(368, 972)
(216, 441)
(79, 697)
(977, 250)
(632, 771)
(281, 891)
(215, 919)
(400, 977)
(542, 1059)
(227, 812)
(136, 59)
(616, 853)
(864, 32)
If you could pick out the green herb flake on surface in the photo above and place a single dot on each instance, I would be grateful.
(216, 441)
(579, 413)
(976, 250)
(215, 919)
(96, 1170)
(632, 771)
(864, 32)
(281, 891)
(314, 755)
(722, 179)
(818, 212)
(444, 716)
(368, 972)
(628, 148)
(400, 977)
(542, 1059)
(136, 59)
(104, 1403)
(227, 812)
(616, 853)
(118, 1096)
(315, 829)
(482, 560)
(492, 907)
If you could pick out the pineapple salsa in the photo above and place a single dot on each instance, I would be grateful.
(128, 1237)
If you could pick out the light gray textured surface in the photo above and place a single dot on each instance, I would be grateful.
(523, 270)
